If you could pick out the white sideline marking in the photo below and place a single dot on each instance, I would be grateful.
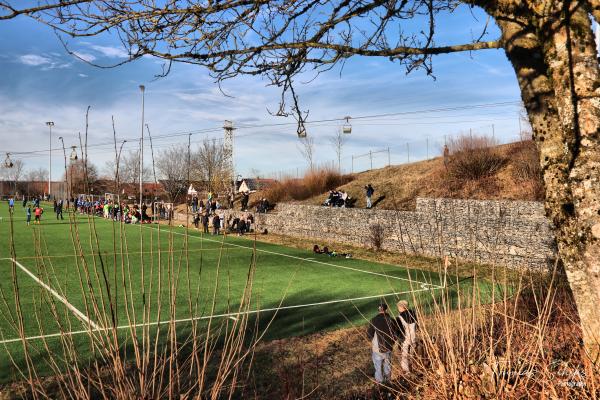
(302, 259)
(234, 316)
(70, 306)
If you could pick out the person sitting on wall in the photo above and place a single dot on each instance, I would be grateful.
(328, 200)
(242, 227)
(345, 199)
(235, 224)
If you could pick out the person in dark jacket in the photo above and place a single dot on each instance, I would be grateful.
(204, 220)
(369, 192)
(216, 224)
(382, 334)
(59, 210)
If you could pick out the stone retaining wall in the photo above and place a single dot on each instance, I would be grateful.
(510, 233)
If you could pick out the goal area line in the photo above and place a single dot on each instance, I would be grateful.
(307, 259)
(232, 315)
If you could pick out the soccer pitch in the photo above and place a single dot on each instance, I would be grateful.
(87, 276)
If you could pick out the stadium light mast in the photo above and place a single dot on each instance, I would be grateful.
(142, 89)
(228, 153)
(50, 124)
(65, 155)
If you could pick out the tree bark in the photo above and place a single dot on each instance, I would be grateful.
(554, 56)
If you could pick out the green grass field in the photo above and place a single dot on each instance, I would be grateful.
(88, 275)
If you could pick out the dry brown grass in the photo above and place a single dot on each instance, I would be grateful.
(312, 183)
(526, 345)
(400, 185)
(473, 158)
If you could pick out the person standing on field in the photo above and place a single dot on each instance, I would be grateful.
(382, 334)
(59, 210)
(216, 221)
(205, 222)
(28, 211)
(38, 214)
(406, 323)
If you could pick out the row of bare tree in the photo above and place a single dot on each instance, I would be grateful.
(174, 168)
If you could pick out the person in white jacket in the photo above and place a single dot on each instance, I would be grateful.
(406, 322)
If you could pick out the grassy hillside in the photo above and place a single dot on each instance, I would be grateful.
(516, 178)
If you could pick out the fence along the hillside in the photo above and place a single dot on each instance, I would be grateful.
(405, 152)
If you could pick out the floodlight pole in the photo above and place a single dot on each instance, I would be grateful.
(141, 221)
(189, 161)
(142, 89)
(65, 155)
(117, 174)
(50, 124)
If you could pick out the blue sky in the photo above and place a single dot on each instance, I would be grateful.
(42, 82)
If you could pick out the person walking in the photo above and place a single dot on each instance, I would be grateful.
(244, 202)
(369, 192)
(59, 210)
(231, 199)
(406, 323)
(195, 204)
(382, 334)
(446, 156)
(11, 204)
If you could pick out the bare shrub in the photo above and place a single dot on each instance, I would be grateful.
(314, 182)
(526, 167)
(527, 162)
(474, 157)
(376, 236)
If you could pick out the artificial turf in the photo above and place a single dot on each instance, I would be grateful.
(109, 273)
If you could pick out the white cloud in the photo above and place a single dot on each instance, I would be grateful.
(84, 56)
(82, 75)
(45, 62)
(110, 51)
(34, 60)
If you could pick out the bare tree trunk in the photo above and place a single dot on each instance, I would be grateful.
(557, 70)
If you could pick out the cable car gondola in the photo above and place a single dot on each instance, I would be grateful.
(301, 131)
(73, 156)
(8, 162)
(347, 128)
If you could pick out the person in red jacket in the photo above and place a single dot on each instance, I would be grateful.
(38, 214)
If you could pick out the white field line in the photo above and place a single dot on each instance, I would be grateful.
(70, 306)
(306, 259)
(233, 315)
